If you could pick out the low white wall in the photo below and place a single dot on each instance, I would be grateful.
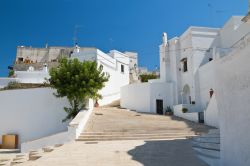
(75, 128)
(5, 81)
(136, 97)
(233, 98)
(162, 91)
(211, 116)
(192, 116)
(31, 113)
(32, 76)
(206, 82)
(142, 96)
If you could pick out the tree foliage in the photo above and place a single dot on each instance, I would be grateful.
(146, 77)
(11, 73)
(78, 81)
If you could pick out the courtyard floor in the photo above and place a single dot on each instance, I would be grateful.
(145, 152)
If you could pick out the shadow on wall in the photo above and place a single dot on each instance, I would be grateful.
(166, 153)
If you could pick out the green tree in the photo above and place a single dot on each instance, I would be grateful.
(146, 77)
(11, 73)
(78, 81)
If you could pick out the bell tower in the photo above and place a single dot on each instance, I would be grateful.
(165, 74)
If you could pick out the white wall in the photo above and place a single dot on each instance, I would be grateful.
(36, 77)
(163, 91)
(31, 113)
(142, 96)
(111, 65)
(206, 82)
(192, 116)
(136, 97)
(5, 81)
(233, 96)
(211, 114)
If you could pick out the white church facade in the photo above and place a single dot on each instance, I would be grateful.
(187, 73)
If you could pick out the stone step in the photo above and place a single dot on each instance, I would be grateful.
(98, 138)
(214, 131)
(4, 151)
(47, 149)
(210, 146)
(5, 162)
(137, 132)
(211, 161)
(34, 155)
(207, 152)
(137, 136)
(143, 130)
(215, 140)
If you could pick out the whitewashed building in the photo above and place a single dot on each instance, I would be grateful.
(115, 64)
(32, 66)
(187, 73)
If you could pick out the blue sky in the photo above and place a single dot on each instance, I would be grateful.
(133, 25)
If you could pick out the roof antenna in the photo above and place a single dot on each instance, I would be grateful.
(75, 39)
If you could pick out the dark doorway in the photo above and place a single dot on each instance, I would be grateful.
(159, 107)
(201, 117)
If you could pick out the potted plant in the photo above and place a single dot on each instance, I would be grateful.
(169, 111)
(184, 110)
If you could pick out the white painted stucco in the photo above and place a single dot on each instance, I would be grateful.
(76, 126)
(36, 77)
(233, 91)
(111, 63)
(5, 81)
(31, 113)
(192, 116)
(211, 113)
(142, 97)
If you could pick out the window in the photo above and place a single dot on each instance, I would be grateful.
(185, 64)
(122, 68)
(20, 60)
(185, 68)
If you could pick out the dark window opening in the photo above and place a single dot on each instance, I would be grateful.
(20, 59)
(122, 68)
(185, 67)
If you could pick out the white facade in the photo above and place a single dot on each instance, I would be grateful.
(187, 66)
(115, 64)
(233, 94)
(5, 81)
(142, 96)
(31, 113)
(209, 73)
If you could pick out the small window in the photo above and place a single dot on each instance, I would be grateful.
(20, 59)
(122, 68)
(185, 67)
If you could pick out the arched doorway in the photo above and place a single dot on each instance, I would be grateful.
(186, 98)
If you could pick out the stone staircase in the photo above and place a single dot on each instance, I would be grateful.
(208, 147)
(135, 135)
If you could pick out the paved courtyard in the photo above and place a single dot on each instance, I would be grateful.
(167, 150)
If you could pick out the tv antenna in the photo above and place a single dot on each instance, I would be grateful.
(75, 38)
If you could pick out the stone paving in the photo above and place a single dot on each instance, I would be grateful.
(167, 152)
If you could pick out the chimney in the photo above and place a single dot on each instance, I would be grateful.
(164, 38)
